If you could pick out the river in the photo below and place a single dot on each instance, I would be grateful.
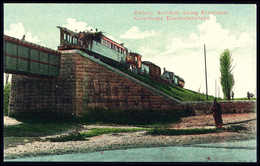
(238, 151)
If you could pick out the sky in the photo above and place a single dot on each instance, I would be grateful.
(169, 35)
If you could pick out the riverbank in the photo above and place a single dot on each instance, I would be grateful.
(42, 146)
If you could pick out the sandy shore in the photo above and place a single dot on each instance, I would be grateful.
(137, 139)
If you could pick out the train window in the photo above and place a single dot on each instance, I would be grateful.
(69, 38)
(64, 36)
(76, 41)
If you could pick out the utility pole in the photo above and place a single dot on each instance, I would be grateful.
(215, 87)
(206, 71)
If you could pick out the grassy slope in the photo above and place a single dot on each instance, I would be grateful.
(174, 91)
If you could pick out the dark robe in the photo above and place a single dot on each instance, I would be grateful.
(217, 114)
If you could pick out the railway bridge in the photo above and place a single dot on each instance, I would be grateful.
(69, 82)
(72, 81)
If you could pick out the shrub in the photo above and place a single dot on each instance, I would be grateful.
(7, 90)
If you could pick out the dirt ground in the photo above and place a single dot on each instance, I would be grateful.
(207, 120)
(137, 139)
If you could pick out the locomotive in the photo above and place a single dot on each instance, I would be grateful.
(100, 46)
(171, 78)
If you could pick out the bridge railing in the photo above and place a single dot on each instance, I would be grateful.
(28, 58)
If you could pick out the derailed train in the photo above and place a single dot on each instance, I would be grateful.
(113, 53)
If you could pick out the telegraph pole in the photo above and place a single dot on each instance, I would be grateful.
(215, 87)
(206, 71)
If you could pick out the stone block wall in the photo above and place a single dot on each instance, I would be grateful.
(99, 87)
(43, 94)
(200, 108)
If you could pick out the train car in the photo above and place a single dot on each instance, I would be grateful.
(134, 61)
(171, 78)
(100, 46)
(154, 70)
(68, 39)
(95, 43)
(167, 76)
(179, 81)
(144, 69)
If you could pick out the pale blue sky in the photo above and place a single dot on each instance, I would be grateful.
(176, 45)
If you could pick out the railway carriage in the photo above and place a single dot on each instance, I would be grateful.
(154, 70)
(100, 46)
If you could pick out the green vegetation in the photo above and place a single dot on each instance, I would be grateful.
(244, 98)
(172, 90)
(235, 128)
(160, 131)
(7, 90)
(99, 131)
(227, 78)
(37, 129)
(81, 136)
(192, 131)
(69, 137)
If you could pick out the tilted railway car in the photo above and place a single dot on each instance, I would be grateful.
(179, 81)
(171, 78)
(154, 70)
(144, 69)
(100, 46)
(167, 76)
(95, 43)
(134, 61)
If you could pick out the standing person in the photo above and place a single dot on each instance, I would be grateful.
(232, 95)
(217, 113)
(248, 95)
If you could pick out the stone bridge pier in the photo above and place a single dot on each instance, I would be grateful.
(85, 83)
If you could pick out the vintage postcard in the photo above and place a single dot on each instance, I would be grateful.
(112, 82)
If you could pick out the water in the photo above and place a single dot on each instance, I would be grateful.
(240, 151)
